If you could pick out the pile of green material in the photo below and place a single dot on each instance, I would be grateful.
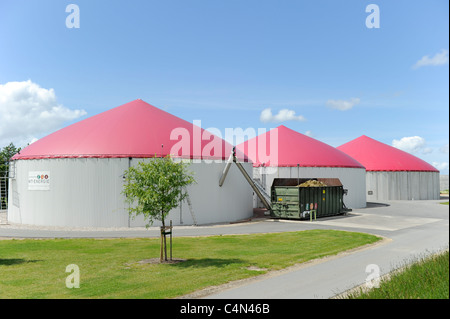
(312, 183)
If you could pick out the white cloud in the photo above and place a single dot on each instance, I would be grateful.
(282, 116)
(444, 149)
(441, 165)
(412, 144)
(440, 58)
(309, 133)
(343, 105)
(28, 110)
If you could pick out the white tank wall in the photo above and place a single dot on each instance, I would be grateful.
(210, 202)
(86, 192)
(443, 182)
(353, 179)
(386, 185)
(83, 193)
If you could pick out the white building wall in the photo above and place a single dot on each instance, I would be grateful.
(387, 185)
(86, 192)
(352, 179)
(443, 180)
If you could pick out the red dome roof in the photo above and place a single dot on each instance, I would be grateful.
(377, 156)
(294, 148)
(135, 129)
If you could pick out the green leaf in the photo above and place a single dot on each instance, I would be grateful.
(155, 187)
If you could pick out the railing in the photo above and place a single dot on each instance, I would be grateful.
(262, 190)
(4, 183)
(3, 193)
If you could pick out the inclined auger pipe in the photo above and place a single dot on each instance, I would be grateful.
(226, 169)
(233, 158)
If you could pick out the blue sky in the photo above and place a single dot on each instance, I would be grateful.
(226, 61)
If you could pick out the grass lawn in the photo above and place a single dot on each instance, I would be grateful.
(425, 279)
(109, 268)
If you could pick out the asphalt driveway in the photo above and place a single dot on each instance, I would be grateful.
(411, 228)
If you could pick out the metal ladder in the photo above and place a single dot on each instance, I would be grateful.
(4, 181)
(191, 209)
(3, 193)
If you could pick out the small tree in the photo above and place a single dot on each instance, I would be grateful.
(5, 155)
(154, 188)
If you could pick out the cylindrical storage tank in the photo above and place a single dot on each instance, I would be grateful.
(393, 174)
(75, 176)
(285, 153)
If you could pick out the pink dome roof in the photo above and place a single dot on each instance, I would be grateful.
(294, 148)
(377, 156)
(135, 129)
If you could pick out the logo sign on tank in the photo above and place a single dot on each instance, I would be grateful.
(38, 180)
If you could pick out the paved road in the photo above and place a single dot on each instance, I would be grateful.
(414, 228)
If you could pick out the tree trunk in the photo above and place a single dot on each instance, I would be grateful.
(163, 229)
(161, 246)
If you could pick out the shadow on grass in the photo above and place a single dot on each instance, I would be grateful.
(208, 262)
(15, 261)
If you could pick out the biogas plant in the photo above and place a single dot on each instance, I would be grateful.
(74, 177)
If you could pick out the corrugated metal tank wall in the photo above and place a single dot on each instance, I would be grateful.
(210, 202)
(353, 179)
(443, 182)
(384, 185)
(86, 192)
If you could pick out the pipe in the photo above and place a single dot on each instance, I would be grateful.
(249, 180)
(226, 169)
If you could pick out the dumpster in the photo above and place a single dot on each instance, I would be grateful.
(317, 197)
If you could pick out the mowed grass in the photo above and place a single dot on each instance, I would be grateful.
(427, 278)
(109, 268)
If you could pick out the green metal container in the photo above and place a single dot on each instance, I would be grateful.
(293, 202)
